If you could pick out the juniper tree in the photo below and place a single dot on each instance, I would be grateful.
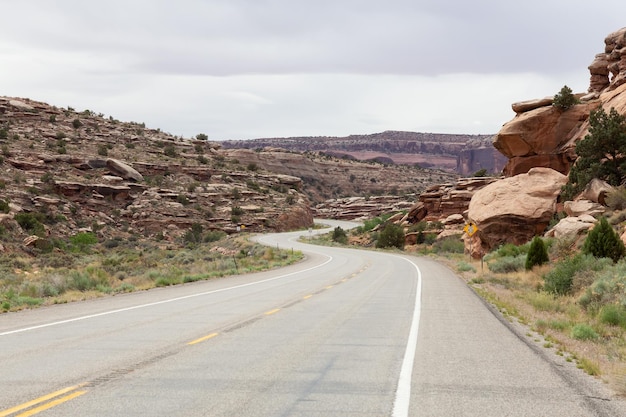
(537, 253)
(602, 153)
(564, 99)
(603, 242)
(391, 236)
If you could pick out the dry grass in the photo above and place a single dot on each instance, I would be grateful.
(519, 294)
(130, 267)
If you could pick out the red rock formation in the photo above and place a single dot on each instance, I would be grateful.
(541, 135)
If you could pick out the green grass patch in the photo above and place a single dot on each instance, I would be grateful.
(584, 332)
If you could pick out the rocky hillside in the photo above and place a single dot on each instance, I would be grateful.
(63, 172)
(463, 154)
(325, 177)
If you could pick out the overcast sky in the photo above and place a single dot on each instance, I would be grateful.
(240, 69)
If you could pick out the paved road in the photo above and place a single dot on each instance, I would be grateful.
(344, 333)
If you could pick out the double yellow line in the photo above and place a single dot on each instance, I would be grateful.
(45, 402)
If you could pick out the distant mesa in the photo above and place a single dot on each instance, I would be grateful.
(461, 154)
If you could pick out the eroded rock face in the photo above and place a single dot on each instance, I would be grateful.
(514, 209)
(608, 69)
(441, 201)
(541, 137)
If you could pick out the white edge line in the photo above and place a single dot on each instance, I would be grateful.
(121, 310)
(403, 390)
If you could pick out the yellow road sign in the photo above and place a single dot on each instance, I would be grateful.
(470, 228)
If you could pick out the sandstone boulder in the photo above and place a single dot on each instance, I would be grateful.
(580, 207)
(123, 170)
(21, 105)
(570, 227)
(454, 219)
(416, 214)
(524, 106)
(515, 209)
(596, 191)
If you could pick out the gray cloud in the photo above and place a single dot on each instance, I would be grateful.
(249, 68)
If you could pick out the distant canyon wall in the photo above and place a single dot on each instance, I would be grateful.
(461, 154)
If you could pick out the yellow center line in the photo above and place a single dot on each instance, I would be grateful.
(38, 400)
(306, 297)
(329, 287)
(51, 404)
(276, 310)
(202, 339)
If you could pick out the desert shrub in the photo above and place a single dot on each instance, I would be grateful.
(583, 332)
(213, 236)
(613, 314)
(465, 267)
(339, 235)
(537, 253)
(170, 150)
(608, 288)
(543, 301)
(509, 250)
(507, 264)
(82, 241)
(31, 223)
(236, 211)
(603, 242)
(616, 199)
(81, 281)
(202, 136)
(449, 245)
(4, 206)
(76, 123)
(560, 279)
(392, 235)
(194, 235)
(369, 225)
(182, 199)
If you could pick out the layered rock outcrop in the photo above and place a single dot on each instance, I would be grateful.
(443, 200)
(79, 171)
(541, 137)
(608, 69)
(325, 178)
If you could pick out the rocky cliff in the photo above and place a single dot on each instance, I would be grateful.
(540, 146)
(541, 135)
(462, 154)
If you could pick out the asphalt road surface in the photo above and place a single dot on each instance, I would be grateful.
(343, 333)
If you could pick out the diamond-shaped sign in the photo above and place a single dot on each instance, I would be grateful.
(470, 228)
